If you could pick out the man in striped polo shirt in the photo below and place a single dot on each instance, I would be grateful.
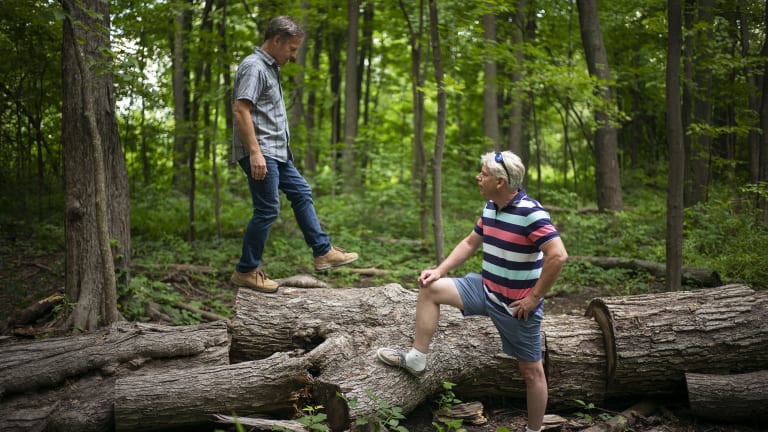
(522, 258)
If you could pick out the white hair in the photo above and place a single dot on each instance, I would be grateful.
(514, 166)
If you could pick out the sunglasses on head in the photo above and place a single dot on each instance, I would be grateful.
(500, 159)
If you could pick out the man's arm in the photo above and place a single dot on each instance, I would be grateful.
(554, 259)
(462, 252)
(241, 111)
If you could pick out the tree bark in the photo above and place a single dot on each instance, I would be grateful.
(732, 398)
(84, 282)
(188, 398)
(33, 365)
(652, 340)
(68, 383)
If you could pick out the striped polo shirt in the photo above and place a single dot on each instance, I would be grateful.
(512, 240)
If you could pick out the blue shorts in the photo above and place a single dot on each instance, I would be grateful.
(520, 339)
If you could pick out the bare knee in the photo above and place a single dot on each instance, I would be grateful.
(532, 372)
(442, 291)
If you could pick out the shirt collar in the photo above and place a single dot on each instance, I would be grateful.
(266, 58)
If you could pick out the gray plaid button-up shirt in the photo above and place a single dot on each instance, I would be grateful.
(258, 81)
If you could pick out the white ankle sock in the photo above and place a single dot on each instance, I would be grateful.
(416, 359)
(527, 429)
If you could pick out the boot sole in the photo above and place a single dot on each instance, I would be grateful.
(330, 266)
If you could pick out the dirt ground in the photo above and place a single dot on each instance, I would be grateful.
(27, 279)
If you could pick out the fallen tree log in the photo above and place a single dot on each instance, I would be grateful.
(698, 277)
(68, 383)
(35, 311)
(652, 340)
(732, 398)
(189, 398)
(648, 343)
(464, 350)
(33, 365)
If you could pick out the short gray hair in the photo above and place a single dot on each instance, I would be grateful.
(283, 26)
(512, 162)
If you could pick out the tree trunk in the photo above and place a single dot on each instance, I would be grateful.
(675, 143)
(698, 170)
(351, 98)
(762, 196)
(652, 340)
(731, 398)
(437, 154)
(490, 85)
(419, 174)
(517, 142)
(608, 178)
(89, 264)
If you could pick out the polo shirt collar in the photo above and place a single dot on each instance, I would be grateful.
(519, 196)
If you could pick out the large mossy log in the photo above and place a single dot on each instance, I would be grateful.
(652, 340)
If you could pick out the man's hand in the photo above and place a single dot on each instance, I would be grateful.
(524, 306)
(258, 166)
(428, 276)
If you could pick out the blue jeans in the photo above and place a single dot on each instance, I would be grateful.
(281, 176)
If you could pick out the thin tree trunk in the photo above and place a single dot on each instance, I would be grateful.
(608, 178)
(762, 196)
(490, 85)
(419, 175)
(351, 98)
(517, 143)
(437, 155)
(698, 170)
(310, 154)
(676, 179)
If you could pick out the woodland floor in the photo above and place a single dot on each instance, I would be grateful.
(27, 279)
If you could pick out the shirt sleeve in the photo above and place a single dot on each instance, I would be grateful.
(250, 83)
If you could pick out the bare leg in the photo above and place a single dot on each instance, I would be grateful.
(442, 291)
(536, 392)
